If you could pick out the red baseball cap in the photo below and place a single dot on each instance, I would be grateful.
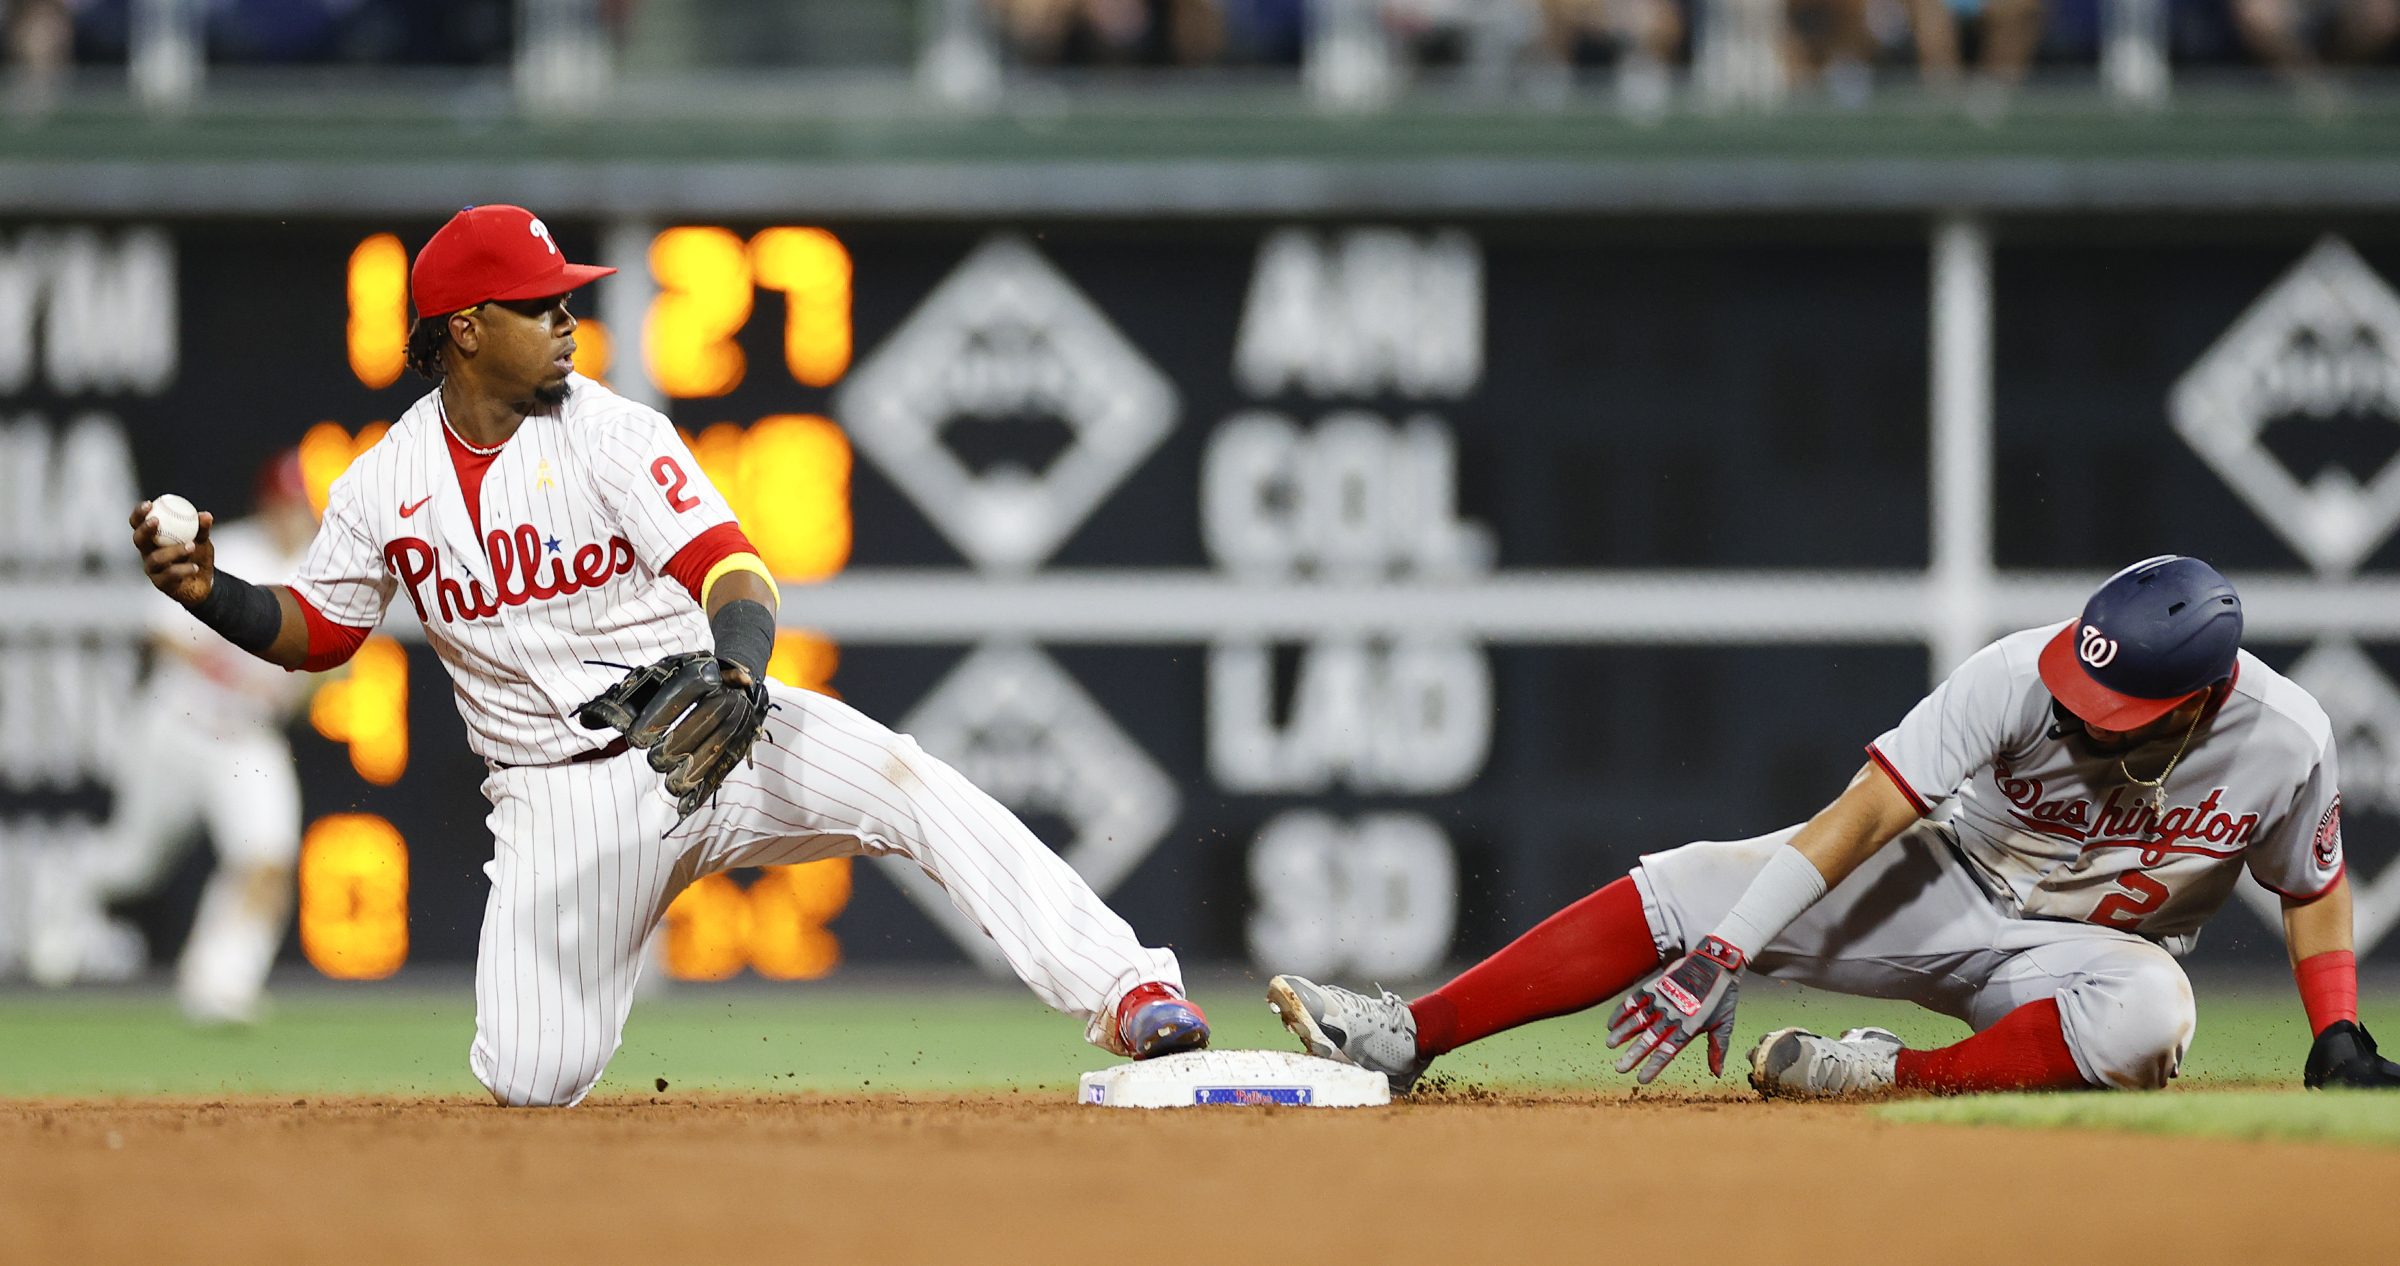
(494, 252)
(281, 479)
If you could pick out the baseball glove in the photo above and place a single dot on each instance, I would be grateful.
(696, 725)
(2344, 1055)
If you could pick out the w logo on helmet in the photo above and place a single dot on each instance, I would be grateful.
(542, 231)
(2095, 649)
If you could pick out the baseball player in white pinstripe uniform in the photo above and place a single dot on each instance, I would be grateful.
(550, 533)
(208, 749)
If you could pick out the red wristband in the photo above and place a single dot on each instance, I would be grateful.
(2328, 988)
(691, 564)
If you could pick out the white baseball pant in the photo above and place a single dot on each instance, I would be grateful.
(586, 858)
(1914, 924)
(173, 775)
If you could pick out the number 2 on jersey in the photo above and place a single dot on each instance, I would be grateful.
(2120, 911)
(669, 474)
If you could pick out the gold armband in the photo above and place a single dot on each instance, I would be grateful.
(745, 561)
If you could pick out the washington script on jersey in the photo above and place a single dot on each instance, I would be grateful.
(2131, 820)
(514, 558)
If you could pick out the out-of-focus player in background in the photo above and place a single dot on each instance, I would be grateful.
(2030, 850)
(552, 535)
(204, 748)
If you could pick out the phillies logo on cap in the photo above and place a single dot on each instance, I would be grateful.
(2095, 648)
(492, 252)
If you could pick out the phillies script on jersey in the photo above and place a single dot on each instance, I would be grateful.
(534, 566)
(516, 561)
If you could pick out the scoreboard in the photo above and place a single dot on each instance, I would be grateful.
(1344, 595)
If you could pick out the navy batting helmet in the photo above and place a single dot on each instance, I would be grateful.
(2154, 635)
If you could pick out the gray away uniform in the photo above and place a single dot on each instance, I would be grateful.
(2039, 871)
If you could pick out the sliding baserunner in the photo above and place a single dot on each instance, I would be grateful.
(2029, 850)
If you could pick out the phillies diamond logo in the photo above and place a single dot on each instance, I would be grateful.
(2323, 343)
(1005, 339)
(1015, 724)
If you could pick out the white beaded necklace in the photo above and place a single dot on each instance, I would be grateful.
(444, 408)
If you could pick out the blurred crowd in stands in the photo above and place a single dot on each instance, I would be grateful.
(404, 32)
(1999, 39)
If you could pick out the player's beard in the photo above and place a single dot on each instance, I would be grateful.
(2067, 726)
(2095, 747)
(551, 395)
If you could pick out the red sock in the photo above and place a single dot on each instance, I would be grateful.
(2328, 987)
(1579, 957)
(2026, 1050)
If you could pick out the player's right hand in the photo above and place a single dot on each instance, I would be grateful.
(1695, 994)
(2345, 1055)
(182, 572)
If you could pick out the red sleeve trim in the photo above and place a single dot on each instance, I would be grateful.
(330, 645)
(1915, 801)
(2328, 988)
(692, 563)
(2340, 871)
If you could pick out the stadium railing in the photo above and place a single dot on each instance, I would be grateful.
(581, 57)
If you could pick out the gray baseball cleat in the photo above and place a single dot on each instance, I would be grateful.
(1378, 1034)
(1796, 1063)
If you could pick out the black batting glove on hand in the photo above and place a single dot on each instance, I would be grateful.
(2344, 1055)
(1694, 995)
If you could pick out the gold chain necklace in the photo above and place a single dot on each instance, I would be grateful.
(2158, 785)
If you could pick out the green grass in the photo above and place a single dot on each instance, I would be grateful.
(2351, 1116)
(400, 1039)
(135, 1043)
(411, 1040)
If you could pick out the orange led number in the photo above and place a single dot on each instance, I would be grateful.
(776, 926)
(354, 896)
(812, 270)
(703, 277)
(378, 310)
(805, 661)
(326, 451)
(369, 711)
(788, 480)
(595, 349)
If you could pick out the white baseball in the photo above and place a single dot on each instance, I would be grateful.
(178, 522)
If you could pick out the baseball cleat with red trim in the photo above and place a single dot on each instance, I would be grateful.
(1795, 1063)
(1154, 1020)
(1377, 1034)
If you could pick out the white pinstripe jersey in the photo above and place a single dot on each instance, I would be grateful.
(2063, 833)
(581, 511)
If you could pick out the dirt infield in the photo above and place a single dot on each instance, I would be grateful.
(1013, 1178)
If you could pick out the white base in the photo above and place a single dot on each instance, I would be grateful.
(1199, 1078)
